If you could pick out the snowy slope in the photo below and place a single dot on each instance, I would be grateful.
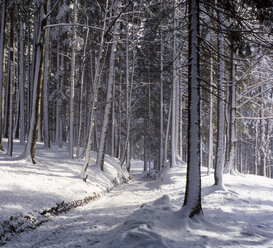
(145, 213)
(27, 190)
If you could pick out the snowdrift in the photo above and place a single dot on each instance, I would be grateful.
(240, 215)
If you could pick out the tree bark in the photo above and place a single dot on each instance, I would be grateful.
(83, 173)
(210, 162)
(167, 133)
(174, 89)
(111, 78)
(45, 89)
(11, 81)
(29, 152)
(192, 201)
(72, 84)
(218, 173)
(161, 148)
(21, 85)
(81, 95)
(230, 168)
(2, 59)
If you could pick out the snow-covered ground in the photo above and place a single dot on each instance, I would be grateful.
(142, 213)
(29, 193)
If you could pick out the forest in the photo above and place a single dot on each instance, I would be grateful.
(165, 82)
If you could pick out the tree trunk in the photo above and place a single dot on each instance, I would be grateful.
(210, 162)
(218, 173)
(192, 202)
(29, 152)
(167, 133)
(120, 119)
(94, 98)
(2, 59)
(81, 95)
(72, 84)
(230, 168)
(111, 78)
(28, 80)
(256, 147)
(129, 84)
(113, 136)
(161, 148)
(22, 85)
(262, 135)
(45, 89)
(174, 89)
(11, 81)
(181, 104)
(6, 111)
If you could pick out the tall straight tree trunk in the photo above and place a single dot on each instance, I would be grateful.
(149, 121)
(113, 133)
(120, 119)
(2, 56)
(263, 140)
(256, 147)
(58, 107)
(210, 162)
(11, 81)
(81, 95)
(33, 66)
(45, 89)
(111, 78)
(60, 104)
(6, 111)
(22, 85)
(161, 148)
(181, 104)
(29, 152)
(227, 113)
(28, 80)
(83, 173)
(72, 83)
(201, 127)
(174, 89)
(129, 86)
(145, 164)
(60, 83)
(218, 173)
(231, 168)
(192, 202)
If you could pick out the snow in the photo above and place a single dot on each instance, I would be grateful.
(140, 213)
(28, 190)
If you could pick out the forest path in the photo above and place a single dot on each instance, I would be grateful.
(88, 226)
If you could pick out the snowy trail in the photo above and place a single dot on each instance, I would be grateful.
(239, 216)
(88, 225)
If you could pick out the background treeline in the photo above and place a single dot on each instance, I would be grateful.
(111, 76)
